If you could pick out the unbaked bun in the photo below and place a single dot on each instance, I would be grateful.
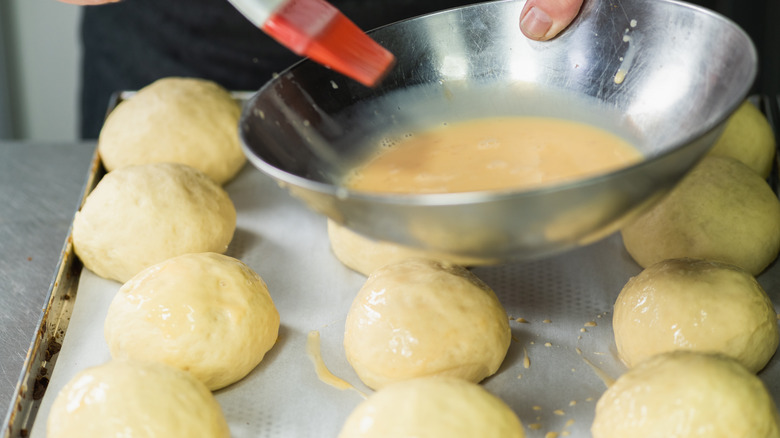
(133, 399)
(179, 120)
(432, 407)
(687, 304)
(365, 255)
(423, 318)
(720, 211)
(141, 215)
(205, 313)
(686, 394)
(748, 137)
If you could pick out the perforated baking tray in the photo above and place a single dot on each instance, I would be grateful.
(564, 303)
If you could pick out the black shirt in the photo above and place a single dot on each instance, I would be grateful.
(130, 44)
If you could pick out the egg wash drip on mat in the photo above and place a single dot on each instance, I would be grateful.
(492, 154)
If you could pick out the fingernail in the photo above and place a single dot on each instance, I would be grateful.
(536, 23)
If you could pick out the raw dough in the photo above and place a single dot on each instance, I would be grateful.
(141, 215)
(422, 318)
(133, 399)
(695, 305)
(365, 255)
(686, 394)
(748, 137)
(180, 120)
(205, 313)
(721, 211)
(432, 407)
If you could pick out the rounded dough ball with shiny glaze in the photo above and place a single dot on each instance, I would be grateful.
(687, 304)
(748, 137)
(432, 407)
(423, 318)
(365, 255)
(126, 398)
(141, 215)
(686, 394)
(179, 120)
(720, 211)
(205, 313)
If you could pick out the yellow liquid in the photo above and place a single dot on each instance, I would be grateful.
(492, 154)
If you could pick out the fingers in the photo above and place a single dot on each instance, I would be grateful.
(544, 19)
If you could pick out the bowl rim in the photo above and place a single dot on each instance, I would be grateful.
(484, 196)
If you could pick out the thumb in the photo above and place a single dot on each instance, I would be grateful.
(544, 19)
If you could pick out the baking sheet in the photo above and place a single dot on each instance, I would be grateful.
(288, 246)
(566, 301)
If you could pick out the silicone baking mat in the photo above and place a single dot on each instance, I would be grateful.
(565, 301)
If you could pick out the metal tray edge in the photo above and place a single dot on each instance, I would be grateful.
(51, 328)
(53, 323)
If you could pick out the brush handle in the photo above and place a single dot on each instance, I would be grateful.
(317, 30)
(257, 11)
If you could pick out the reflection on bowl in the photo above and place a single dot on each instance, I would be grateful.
(662, 73)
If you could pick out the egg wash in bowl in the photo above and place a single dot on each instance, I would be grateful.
(495, 153)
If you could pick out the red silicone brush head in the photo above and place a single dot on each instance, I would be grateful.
(316, 29)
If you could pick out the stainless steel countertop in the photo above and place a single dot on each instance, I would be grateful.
(40, 188)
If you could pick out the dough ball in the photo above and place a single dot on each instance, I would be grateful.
(686, 394)
(141, 215)
(365, 255)
(179, 120)
(432, 407)
(720, 211)
(205, 313)
(126, 398)
(423, 318)
(688, 304)
(748, 137)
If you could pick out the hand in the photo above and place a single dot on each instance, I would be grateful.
(544, 19)
(88, 2)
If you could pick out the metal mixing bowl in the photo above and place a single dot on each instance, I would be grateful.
(664, 74)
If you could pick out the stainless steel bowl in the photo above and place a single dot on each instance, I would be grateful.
(665, 74)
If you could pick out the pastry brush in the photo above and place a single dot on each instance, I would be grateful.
(316, 29)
